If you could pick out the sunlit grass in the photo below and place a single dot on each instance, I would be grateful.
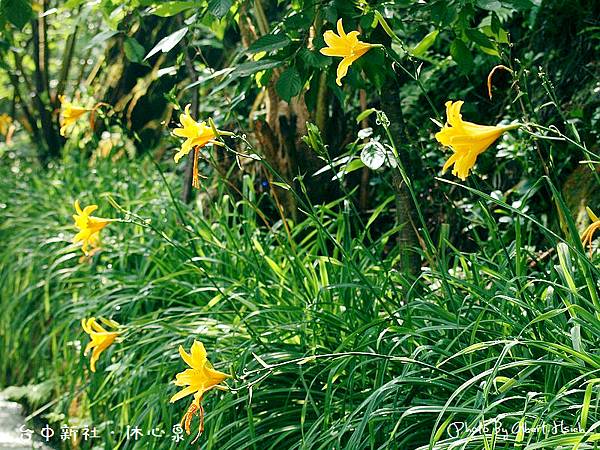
(329, 345)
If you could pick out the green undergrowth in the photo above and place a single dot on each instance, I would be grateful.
(328, 344)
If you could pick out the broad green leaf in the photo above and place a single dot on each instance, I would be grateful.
(492, 29)
(269, 42)
(489, 51)
(373, 155)
(462, 55)
(289, 84)
(443, 13)
(17, 12)
(425, 43)
(166, 44)
(133, 50)
(314, 58)
(298, 21)
(479, 38)
(219, 8)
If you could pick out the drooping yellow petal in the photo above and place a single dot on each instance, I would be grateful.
(199, 379)
(100, 339)
(343, 67)
(345, 46)
(450, 162)
(466, 139)
(183, 393)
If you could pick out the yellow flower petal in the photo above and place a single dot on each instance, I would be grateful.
(201, 377)
(198, 353)
(197, 134)
(89, 227)
(345, 46)
(186, 357)
(183, 393)
(467, 140)
(100, 339)
(69, 114)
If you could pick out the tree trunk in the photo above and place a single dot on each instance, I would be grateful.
(186, 193)
(42, 87)
(407, 239)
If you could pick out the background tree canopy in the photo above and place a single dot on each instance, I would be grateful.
(355, 294)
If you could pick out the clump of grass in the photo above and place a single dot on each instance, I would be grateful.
(329, 345)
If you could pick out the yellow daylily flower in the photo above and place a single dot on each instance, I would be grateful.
(5, 123)
(69, 114)
(197, 134)
(346, 46)
(588, 233)
(100, 338)
(89, 227)
(467, 140)
(199, 379)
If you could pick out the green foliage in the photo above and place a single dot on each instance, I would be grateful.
(315, 322)
(17, 12)
(289, 84)
(290, 264)
(133, 50)
(219, 8)
(269, 42)
(425, 43)
(167, 44)
(462, 55)
(168, 9)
